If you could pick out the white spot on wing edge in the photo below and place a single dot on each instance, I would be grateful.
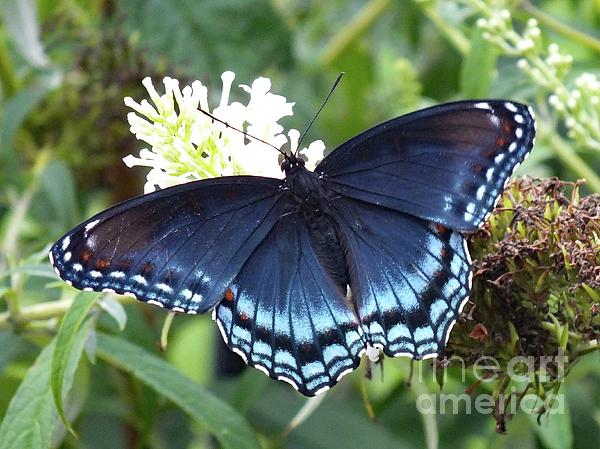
(262, 369)
(130, 294)
(177, 309)
(510, 106)
(289, 381)
(483, 105)
(51, 257)
(67, 256)
(343, 373)
(219, 325)
(65, 243)
(89, 226)
(95, 274)
(240, 353)
(155, 303)
(322, 390)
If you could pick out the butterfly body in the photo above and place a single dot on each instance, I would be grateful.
(310, 197)
(380, 218)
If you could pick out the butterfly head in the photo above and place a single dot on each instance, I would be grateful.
(291, 164)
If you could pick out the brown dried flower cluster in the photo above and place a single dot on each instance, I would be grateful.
(536, 287)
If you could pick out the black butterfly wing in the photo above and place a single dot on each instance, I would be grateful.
(179, 247)
(409, 278)
(286, 317)
(446, 164)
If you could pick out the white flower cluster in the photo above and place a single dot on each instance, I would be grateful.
(498, 28)
(186, 145)
(579, 107)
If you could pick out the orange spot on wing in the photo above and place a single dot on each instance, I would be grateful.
(102, 264)
(228, 295)
(86, 254)
(243, 316)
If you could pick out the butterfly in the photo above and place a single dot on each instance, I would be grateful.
(303, 274)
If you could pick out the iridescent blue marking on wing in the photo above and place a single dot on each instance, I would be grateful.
(409, 278)
(178, 248)
(446, 164)
(286, 317)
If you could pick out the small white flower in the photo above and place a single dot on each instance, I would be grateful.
(186, 145)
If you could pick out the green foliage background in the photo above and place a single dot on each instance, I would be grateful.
(65, 67)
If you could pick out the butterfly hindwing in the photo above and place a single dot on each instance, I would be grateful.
(446, 164)
(410, 278)
(285, 316)
(178, 248)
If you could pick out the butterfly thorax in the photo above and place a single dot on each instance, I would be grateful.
(311, 198)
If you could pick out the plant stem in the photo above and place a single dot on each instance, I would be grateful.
(8, 77)
(430, 427)
(590, 348)
(353, 30)
(454, 36)
(42, 311)
(10, 243)
(559, 27)
(45, 311)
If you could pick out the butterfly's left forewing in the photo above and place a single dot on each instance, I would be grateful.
(178, 248)
(447, 164)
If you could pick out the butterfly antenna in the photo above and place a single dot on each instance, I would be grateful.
(250, 136)
(336, 82)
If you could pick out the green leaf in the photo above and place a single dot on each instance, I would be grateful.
(31, 417)
(555, 430)
(172, 28)
(66, 343)
(41, 270)
(115, 309)
(216, 416)
(10, 344)
(20, 19)
(58, 186)
(16, 109)
(478, 67)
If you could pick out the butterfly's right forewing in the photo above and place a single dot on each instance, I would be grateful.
(178, 248)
